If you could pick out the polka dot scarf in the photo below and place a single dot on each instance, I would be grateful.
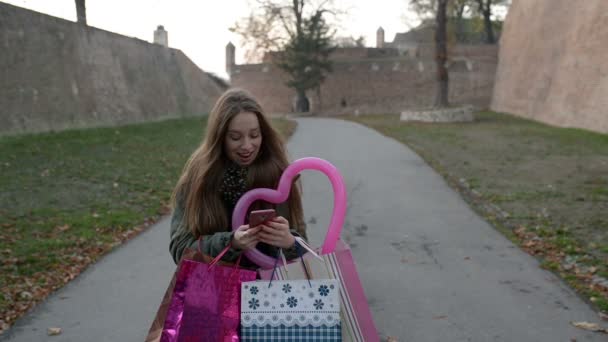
(234, 184)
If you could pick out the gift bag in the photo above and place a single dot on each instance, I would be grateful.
(357, 322)
(294, 310)
(203, 304)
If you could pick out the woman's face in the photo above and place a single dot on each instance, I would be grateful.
(243, 138)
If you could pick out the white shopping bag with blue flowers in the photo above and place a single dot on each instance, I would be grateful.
(289, 310)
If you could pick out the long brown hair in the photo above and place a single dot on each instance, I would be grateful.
(199, 185)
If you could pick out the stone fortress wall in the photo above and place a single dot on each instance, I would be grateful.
(553, 63)
(56, 74)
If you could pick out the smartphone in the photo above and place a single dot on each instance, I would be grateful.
(258, 217)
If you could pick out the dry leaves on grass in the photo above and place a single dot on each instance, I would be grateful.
(24, 292)
(552, 254)
(590, 326)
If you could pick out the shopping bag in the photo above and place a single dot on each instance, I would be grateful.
(293, 310)
(202, 302)
(357, 322)
(156, 329)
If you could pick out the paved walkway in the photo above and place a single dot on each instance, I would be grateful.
(432, 269)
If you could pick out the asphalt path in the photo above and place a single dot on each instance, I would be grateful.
(432, 269)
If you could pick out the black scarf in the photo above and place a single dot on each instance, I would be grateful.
(234, 185)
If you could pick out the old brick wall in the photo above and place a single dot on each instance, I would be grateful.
(552, 65)
(56, 74)
(372, 84)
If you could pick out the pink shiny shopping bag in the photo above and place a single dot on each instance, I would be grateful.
(205, 303)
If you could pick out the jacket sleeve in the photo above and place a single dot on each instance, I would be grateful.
(182, 238)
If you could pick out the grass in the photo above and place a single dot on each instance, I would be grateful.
(68, 198)
(551, 181)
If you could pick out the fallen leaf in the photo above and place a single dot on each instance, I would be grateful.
(63, 228)
(391, 339)
(440, 317)
(589, 326)
(25, 295)
(467, 258)
(53, 331)
(603, 316)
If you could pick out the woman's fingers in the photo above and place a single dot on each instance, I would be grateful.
(276, 233)
(280, 219)
(277, 226)
(245, 236)
(268, 237)
(243, 227)
(253, 231)
(271, 231)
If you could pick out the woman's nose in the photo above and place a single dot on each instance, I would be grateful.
(247, 144)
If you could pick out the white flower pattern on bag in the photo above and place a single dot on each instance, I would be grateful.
(289, 303)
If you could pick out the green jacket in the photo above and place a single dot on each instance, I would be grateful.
(212, 245)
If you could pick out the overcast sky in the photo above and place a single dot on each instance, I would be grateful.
(200, 27)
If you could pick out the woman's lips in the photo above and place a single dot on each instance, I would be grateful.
(246, 156)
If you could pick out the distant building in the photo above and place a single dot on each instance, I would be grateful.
(385, 79)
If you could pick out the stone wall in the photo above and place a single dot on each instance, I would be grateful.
(56, 74)
(553, 63)
(378, 81)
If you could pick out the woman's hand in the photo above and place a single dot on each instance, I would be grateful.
(246, 238)
(276, 233)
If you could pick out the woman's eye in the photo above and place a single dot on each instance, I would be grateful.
(235, 137)
(253, 136)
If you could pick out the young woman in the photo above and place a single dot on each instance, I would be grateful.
(241, 151)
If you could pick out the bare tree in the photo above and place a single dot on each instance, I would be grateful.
(441, 54)
(484, 8)
(81, 12)
(300, 37)
(459, 8)
(439, 10)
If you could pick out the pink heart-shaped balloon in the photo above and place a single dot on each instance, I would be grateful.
(281, 194)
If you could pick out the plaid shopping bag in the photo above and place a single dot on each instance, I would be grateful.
(294, 310)
(357, 321)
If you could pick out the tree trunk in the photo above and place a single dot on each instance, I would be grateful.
(485, 7)
(302, 104)
(489, 29)
(441, 54)
(81, 12)
(460, 38)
